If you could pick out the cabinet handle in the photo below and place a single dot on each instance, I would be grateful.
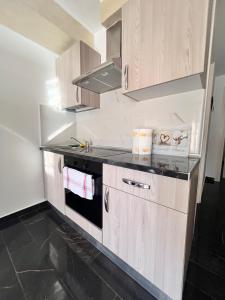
(60, 166)
(106, 200)
(136, 184)
(126, 77)
(77, 94)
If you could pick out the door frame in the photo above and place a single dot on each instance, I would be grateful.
(210, 77)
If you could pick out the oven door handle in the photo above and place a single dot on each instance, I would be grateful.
(106, 200)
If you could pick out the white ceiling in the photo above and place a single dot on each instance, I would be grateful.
(87, 12)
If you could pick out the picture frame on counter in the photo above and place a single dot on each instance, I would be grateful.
(172, 141)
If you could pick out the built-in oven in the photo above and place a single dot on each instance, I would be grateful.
(89, 209)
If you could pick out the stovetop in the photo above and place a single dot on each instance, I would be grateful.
(97, 152)
(91, 151)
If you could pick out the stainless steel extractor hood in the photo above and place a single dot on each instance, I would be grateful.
(107, 76)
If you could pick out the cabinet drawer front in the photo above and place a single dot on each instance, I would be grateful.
(167, 191)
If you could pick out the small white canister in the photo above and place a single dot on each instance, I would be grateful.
(142, 141)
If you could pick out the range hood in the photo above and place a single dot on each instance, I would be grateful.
(107, 76)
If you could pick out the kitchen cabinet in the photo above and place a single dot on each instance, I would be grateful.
(168, 191)
(53, 176)
(78, 59)
(162, 40)
(147, 234)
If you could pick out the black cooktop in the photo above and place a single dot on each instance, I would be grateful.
(98, 152)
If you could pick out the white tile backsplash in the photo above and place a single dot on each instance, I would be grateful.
(112, 125)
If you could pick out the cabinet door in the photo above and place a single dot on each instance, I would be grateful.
(147, 236)
(89, 59)
(77, 60)
(54, 190)
(68, 68)
(163, 40)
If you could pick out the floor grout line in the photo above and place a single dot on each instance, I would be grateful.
(38, 271)
(17, 276)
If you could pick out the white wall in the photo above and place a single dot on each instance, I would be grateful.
(56, 126)
(25, 69)
(216, 131)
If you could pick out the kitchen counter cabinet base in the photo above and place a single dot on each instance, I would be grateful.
(53, 180)
(152, 238)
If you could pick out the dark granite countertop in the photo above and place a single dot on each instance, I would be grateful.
(170, 166)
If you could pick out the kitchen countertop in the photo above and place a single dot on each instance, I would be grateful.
(170, 166)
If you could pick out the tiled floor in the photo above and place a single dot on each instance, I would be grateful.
(42, 258)
(206, 271)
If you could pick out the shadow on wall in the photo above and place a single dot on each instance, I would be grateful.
(57, 126)
(21, 181)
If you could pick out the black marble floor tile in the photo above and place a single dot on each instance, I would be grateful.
(119, 281)
(16, 236)
(31, 257)
(53, 261)
(193, 293)
(78, 244)
(13, 292)
(40, 285)
(209, 283)
(7, 277)
(5, 262)
(204, 254)
(80, 278)
(42, 226)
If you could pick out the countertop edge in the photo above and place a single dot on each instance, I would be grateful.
(110, 161)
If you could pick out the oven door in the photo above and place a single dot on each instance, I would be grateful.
(89, 209)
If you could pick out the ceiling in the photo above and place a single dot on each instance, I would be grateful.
(44, 22)
(87, 12)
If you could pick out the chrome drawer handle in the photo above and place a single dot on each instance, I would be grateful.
(77, 94)
(136, 184)
(126, 77)
(106, 200)
(60, 165)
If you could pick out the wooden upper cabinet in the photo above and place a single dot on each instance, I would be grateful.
(78, 59)
(162, 40)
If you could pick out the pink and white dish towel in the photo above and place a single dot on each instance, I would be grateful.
(79, 183)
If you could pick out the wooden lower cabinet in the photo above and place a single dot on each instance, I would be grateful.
(53, 176)
(149, 237)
